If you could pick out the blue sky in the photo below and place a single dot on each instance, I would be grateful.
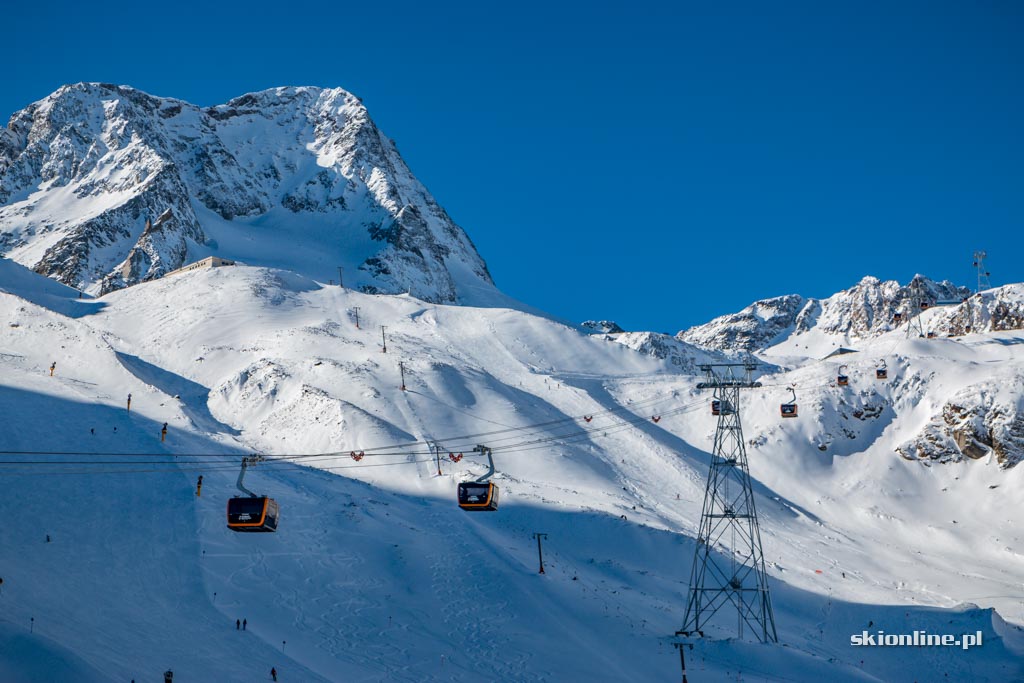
(653, 163)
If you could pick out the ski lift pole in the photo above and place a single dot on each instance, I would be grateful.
(540, 552)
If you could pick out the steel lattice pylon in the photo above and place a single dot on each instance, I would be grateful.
(728, 565)
(979, 263)
(914, 314)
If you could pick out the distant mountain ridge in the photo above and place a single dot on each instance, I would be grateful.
(104, 186)
(865, 310)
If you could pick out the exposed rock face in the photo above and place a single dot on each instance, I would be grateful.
(85, 170)
(995, 310)
(979, 421)
(755, 327)
(601, 327)
(864, 310)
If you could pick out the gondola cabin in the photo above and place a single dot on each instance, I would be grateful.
(788, 409)
(843, 380)
(931, 335)
(881, 373)
(924, 305)
(716, 408)
(477, 496)
(897, 318)
(259, 514)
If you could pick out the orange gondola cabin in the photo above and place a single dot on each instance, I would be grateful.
(477, 496)
(257, 514)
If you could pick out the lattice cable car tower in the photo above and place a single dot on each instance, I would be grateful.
(917, 304)
(728, 564)
(979, 263)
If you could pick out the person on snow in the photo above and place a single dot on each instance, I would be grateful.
(199, 487)
(163, 433)
(273, 673)
(244, 623)
(53, 366)
(129, 403)
(238, 625)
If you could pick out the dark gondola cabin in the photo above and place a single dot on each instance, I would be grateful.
(897, 318)
(259, 514)
(477, 496)
(788, 409)
(881, 373)
(716, 408)
(843, 380)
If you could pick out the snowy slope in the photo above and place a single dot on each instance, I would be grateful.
(104, 186)
(375, 574)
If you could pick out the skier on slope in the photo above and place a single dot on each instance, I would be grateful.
(273, 673)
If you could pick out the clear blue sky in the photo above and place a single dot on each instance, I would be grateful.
(654, 163)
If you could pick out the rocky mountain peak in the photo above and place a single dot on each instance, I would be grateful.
(862, 311)
(296, 177)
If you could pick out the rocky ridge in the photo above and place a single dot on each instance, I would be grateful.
(863, 311)
(104, 186)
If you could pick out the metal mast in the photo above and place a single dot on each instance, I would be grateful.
(979, 263)
(728, 565)
(914, 314)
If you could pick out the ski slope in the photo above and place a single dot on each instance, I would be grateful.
(376, 575)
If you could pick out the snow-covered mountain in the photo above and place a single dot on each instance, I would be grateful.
(865, 310)
(375, 574)
(979, 415)
(104, 186)
(889, 503)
